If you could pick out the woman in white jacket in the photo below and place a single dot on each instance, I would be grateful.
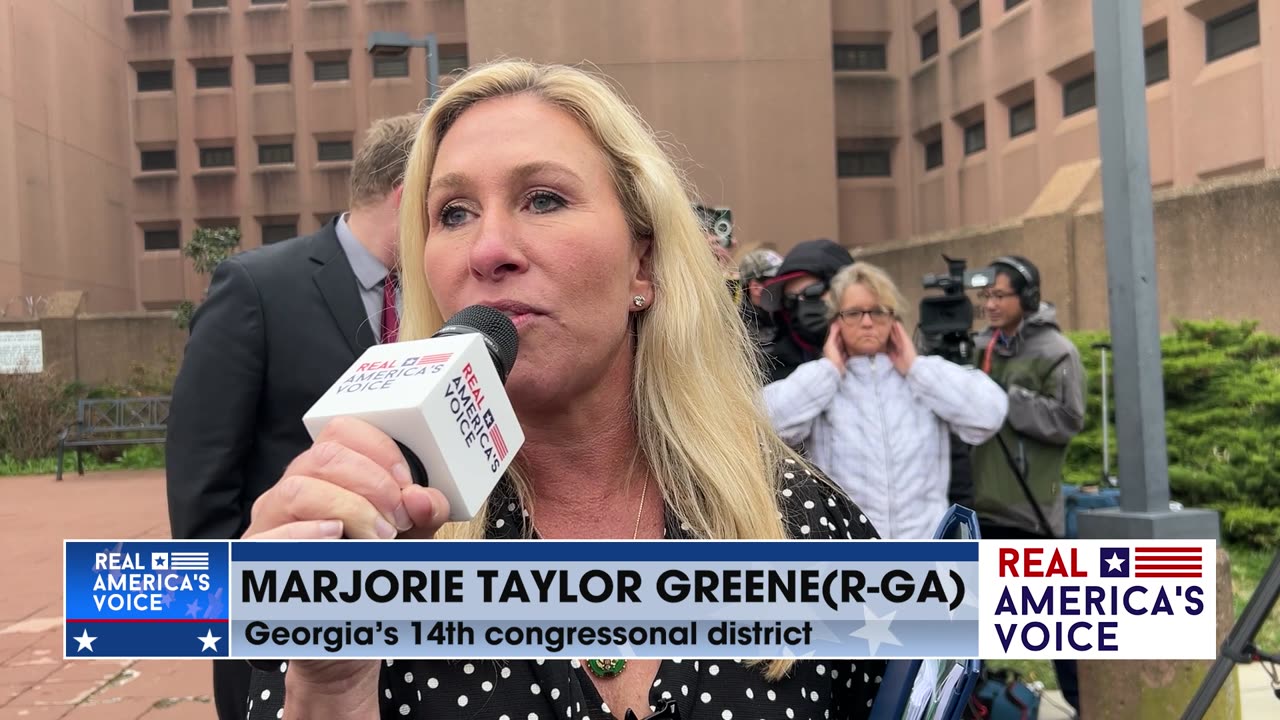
(875, 416)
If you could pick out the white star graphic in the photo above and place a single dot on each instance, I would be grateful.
(876, 630)
(209, 641)
(86, 642)
(1115, 562)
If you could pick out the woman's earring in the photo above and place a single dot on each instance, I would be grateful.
(638, 301)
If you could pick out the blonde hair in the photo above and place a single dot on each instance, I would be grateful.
(379, 165)
(696, 396)
(871, 277)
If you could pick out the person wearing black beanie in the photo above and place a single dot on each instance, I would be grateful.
(796, 299)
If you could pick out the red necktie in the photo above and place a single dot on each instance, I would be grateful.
(390, 320)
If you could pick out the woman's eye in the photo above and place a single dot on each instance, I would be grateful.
(452, 215)
(545, 202)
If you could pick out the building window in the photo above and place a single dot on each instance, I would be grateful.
(970, 18)
(1022, 118)
(213, 77)
(217, 157)
(393, 66)
(276, 232)
(1011, 4)
(928, 43)
(160, 239)
(1157, 63)
(334, 151)
(206, 4)
(279, 154)
(1231, 33)
(1078, 95)
(859, 57)
(153, 160)
(863, 163)
(150, 5)
(331, 70)
(267, 2)
(933, 154)
(155, 80)
(975, 137)
(271, 73)
(453, 63)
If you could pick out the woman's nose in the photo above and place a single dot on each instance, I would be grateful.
(495, 252)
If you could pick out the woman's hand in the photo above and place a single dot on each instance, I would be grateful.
(353, 482)
(902, 352)
(834, 350)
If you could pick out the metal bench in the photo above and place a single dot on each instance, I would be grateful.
(115, 421)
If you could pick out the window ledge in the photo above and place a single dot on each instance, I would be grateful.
(148, 14)
(275, 169)
(219, 90)
(209, 12)
(323, 4)
(156, 175)
(330, 165)
(860, 74)
(266, 9)
(214, 172)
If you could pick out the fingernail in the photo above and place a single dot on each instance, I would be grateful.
(401, 473)
(330, 528)
(384, 529)
(401, 517)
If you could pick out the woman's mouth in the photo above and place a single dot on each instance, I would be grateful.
(519, 313)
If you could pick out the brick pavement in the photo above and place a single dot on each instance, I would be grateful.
(37, 513)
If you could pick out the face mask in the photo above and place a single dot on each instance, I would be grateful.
(811, 320)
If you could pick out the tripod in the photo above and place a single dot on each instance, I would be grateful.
(1239, 647)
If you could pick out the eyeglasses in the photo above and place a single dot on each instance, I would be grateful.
(853, 316)
(997, 295)
(772, 298)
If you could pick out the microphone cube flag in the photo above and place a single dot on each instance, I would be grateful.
(443, 399)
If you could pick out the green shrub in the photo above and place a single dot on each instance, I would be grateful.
(1222, 423)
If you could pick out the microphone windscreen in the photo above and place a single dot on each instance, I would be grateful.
(495, 326)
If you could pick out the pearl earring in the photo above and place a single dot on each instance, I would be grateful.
(638, 301)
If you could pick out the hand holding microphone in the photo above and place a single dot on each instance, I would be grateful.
(411, 436)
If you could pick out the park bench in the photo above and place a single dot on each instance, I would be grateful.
(114, 421)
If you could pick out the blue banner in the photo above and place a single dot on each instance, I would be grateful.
(520, 599)
(136, 599)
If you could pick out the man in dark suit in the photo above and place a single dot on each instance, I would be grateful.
(279, 326)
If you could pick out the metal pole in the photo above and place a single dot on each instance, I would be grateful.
(1106, 424)
(433, 69)
(1131, 266)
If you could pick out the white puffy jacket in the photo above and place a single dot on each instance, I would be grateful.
(884, 437)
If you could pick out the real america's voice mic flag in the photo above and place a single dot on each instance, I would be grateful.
(500, 599)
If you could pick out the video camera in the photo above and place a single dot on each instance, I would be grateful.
(946, 320)
(717, 221)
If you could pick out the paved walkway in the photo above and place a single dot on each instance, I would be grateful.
(36, 514)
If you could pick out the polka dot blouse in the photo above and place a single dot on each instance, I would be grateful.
(682, 690)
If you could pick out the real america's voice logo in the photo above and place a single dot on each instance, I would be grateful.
(1098, 599)
(145, 599)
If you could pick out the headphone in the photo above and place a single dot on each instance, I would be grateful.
(1029, 297)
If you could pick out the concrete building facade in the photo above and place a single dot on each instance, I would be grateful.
(127, 124)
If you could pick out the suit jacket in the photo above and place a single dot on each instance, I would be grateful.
(279, 326)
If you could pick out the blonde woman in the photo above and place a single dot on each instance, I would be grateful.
(876, 417)
(537, 191)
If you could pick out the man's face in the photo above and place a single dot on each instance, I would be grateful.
(1001, 305)
(754, 288)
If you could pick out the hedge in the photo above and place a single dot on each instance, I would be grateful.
(1222, 422)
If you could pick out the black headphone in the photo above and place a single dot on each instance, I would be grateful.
(1029, 297)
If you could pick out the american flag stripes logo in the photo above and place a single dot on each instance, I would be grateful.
(434, 359)
(1165, 561)
(498, 443)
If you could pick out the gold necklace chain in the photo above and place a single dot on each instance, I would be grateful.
(640, 512)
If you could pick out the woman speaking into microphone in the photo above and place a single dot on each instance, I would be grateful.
(537, 191)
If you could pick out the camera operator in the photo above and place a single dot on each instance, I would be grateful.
(757, 268)
(1018, 474)
(795, 300)
(875, 416)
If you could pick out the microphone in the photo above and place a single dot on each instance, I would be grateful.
(442, 400)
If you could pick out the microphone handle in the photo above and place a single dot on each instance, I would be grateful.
(416, 469)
